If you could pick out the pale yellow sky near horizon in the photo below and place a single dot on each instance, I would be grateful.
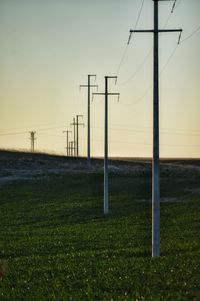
(47, 49)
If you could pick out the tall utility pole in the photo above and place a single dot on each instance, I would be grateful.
(89, 86)
(155, 167)
(75, 143)
(77, 138)
(106, 93)
(67, 141)
(32, 138)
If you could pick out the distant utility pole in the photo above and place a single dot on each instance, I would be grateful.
(67, 141)
(73, 148)
(75, 143)
(70, 148)
(106, 93)
(77, 138)
(32, 134)
(89, 86)
(155, 167)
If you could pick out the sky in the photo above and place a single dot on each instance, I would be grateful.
(47, 49)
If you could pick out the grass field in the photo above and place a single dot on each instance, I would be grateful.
(57, 245)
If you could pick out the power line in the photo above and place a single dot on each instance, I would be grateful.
(177, 5)
(169, 59)
(12, 134)
(126, 47)
(174, 6)
(141, 143)
(51, 128)
(139, 98)
(149, 128)
(122, 59)
(147, 56)
(51, 135)
(149, 131)
(190, 35)
(139, 14)
(35, 126)
(138, 68)
(149, 87)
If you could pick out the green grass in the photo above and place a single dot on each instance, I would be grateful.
(57, 245)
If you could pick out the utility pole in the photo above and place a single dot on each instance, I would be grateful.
(155, 166)
(106, 93)
(89, 86)
(77, 139)
(70, 149)
(73, 148)
(67, 141)
(32, 138)
(75, 144)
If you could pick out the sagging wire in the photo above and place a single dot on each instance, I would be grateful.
(190, 35)
(138, 18)
(126, 48)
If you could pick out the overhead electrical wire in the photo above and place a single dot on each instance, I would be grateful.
(178, 132)
(148, 54)
(13, 134)
(149, 87)
(163, 131)
(126, 47)
(51, 135)
(133, 76)
(32, 126)
(138, 68)
(190, 35)
(168, 60)
(177, 5)
(141, 143)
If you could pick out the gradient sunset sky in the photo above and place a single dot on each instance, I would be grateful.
(49, 46)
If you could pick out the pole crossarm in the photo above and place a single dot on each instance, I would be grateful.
(85, 86)
(77, 123)
(159, 30)
(118, 94)
(73, 123)
(106, 93)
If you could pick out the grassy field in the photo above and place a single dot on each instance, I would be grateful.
(57, 245)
